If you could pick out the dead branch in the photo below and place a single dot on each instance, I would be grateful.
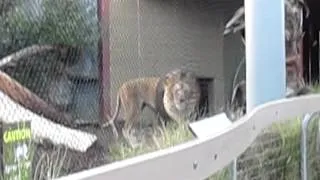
(31, 101)
(24, 96)
(42, 128)
(14, 58)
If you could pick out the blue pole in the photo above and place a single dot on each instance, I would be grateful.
(265, 51)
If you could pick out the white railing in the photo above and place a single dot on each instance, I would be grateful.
(200, 158)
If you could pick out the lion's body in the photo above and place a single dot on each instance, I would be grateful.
(159, 94)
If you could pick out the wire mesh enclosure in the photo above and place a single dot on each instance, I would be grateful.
(64, 62)
(49, 53)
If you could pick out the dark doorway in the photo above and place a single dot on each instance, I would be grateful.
(311, 43)
(206, 99)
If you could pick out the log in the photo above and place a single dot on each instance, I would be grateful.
(14, 58)
(42, 128)
(31, 101)
(24, 96)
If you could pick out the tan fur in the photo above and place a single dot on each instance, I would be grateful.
(166, 96)
(131, 98)
(181, 95)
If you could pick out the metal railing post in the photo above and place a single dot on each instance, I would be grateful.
(304, 146)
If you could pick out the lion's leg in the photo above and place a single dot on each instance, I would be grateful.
(132, 115)
(159, 124)
(127, 137)
(154, 127)
(114, 131)
(127, 134)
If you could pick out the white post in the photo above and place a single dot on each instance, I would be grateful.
(265, 51)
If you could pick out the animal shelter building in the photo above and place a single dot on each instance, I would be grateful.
(151, 37)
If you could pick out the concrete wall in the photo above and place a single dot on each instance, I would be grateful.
(170, 34)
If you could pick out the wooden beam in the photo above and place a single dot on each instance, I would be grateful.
(104, 56)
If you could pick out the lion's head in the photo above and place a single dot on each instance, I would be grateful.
(181, 94)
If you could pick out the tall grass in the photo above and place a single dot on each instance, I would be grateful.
(275, 156)
(272, 157)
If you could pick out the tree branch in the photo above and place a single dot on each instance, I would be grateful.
(14, 58)
(31, 101)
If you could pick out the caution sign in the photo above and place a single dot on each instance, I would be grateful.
(17, 149)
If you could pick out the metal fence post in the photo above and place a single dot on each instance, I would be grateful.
(233, 169)
(303, 145)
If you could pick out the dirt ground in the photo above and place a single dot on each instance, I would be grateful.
(96, 155)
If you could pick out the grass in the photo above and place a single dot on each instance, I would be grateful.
(278, 156)
(265, 158)
(17, 163)
(172, 135)
(275, 156)
(48, 165)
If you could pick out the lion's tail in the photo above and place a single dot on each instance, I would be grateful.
(115, 115)
(110, 121)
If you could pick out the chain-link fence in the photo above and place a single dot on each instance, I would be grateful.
(276, 153)
(50, 48)
(52, 64)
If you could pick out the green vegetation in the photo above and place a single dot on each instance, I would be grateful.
(50, 164)
(274, 155)
(17, 151)
(173, 135)
(25, 23)
(51, 22)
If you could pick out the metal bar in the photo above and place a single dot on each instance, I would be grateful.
(303, 146)
(104, 56)
(233, 169)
